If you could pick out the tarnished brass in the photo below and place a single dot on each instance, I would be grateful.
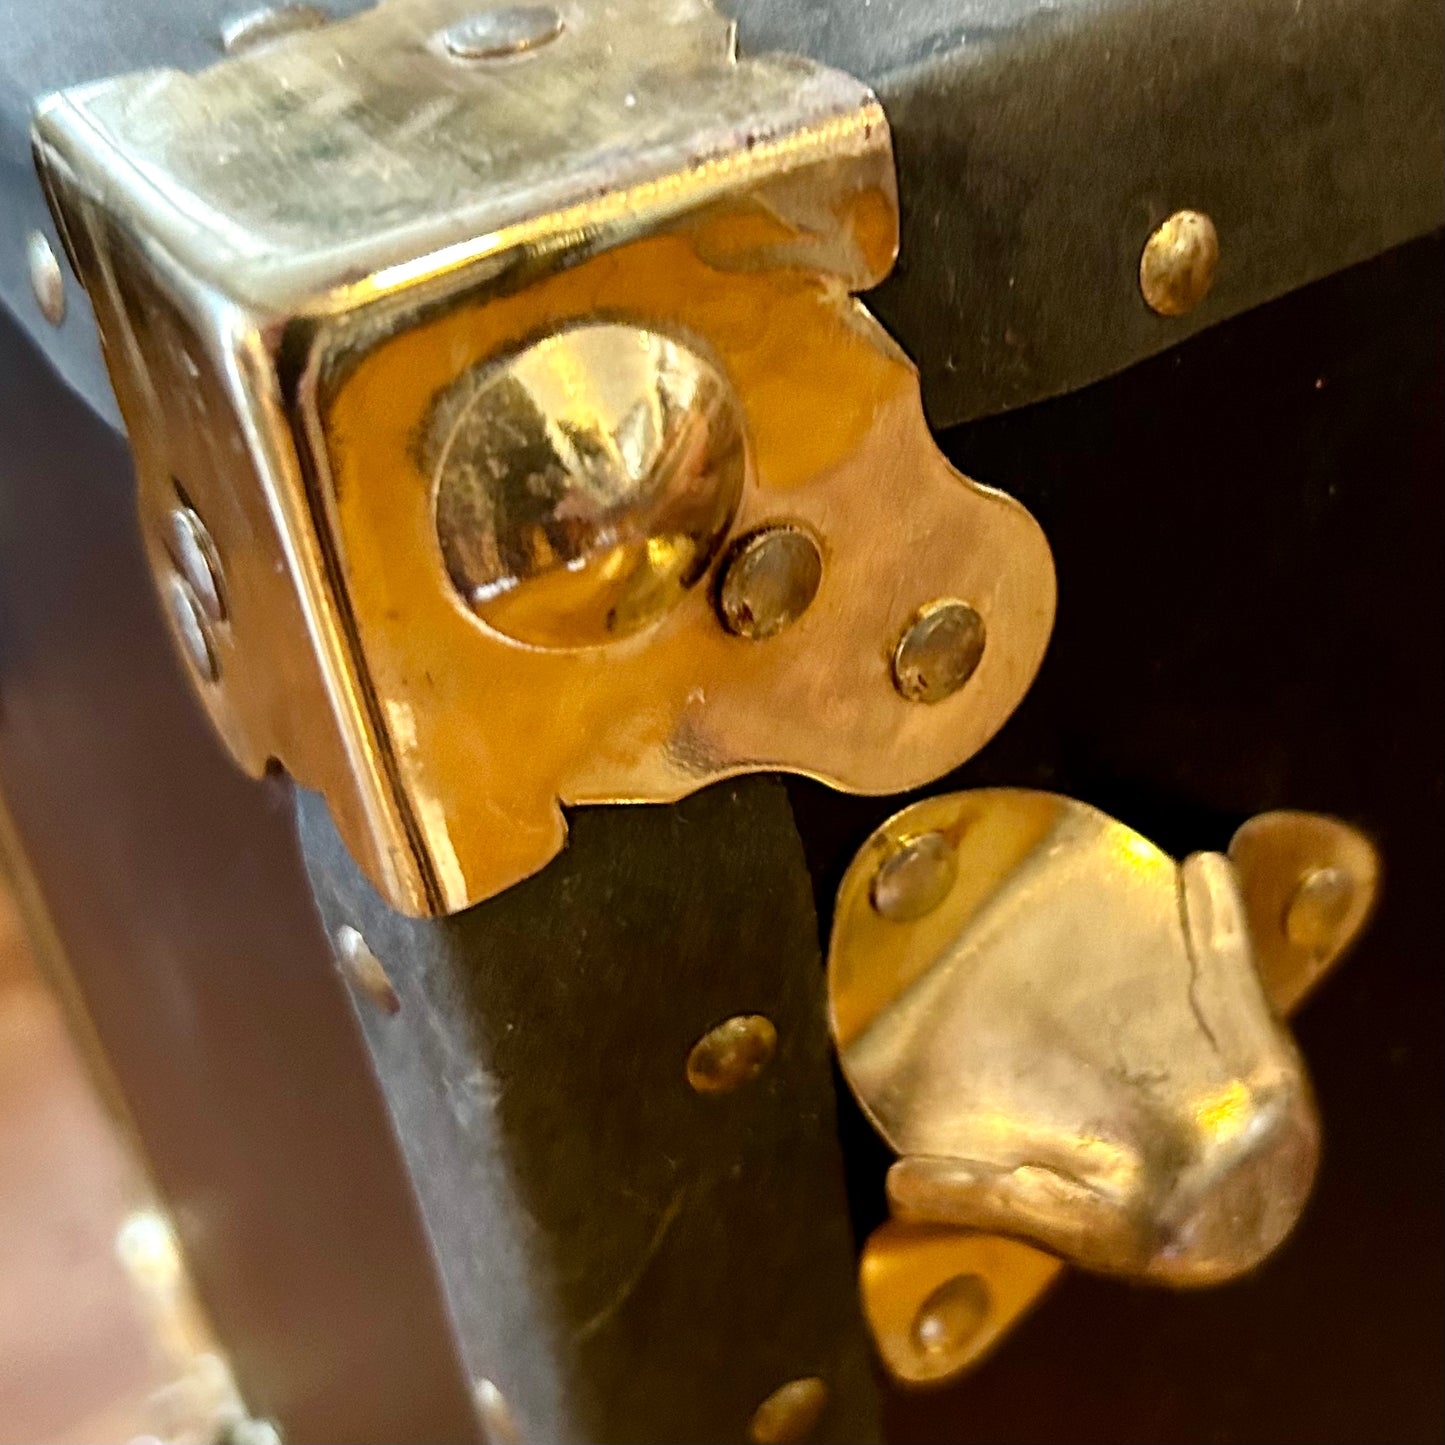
(1176, 269)
(1077, 1046)
(473, 367)
(732, 1054)
(790, 1414)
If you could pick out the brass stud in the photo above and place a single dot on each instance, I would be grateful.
(939, 651)
(914, 878)
(1177, 267)
(193, 632)
(498, 1424)
(1317, 910)
(46, 278)
(365, 969)
(269, 22)
(768, 582)
(495, 34)
(732, 1054)
(951, 1318)
(194, 555)
(790, 1414)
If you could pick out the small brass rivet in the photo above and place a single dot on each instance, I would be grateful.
(493, 34)
(948, 1321)
(732, 1054)
(46, 279)
(188, 619)
(1318, 909)
(938, 652)
(769, 580)
(498, 1424)
(790, 1414)
(269, 22)
(1177, 267)
(365, 969)
(194, 554)
(914, 878)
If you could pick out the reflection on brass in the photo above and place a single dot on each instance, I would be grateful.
(191, 628)
(732, 1054)
(939, 651)
(1309, 887)
(365, 970)
(47, 282)
(194, 555)
(556, 330)
(584, 485)
(768, 582)
(790, 1414)
(499, 1425)
(1176, 270)
(938, 1299)
(914, 878)
(1077, 1046)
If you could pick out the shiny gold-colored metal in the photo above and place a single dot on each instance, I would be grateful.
(499, 1425)
(47, 281)
(732, 1054)
(495, 34)
(1077, 1045)
(790, 1415)
(769, 581)
(1309, 885)
(914, 878)
(938, 1299)
(633, 175)
(365, 970)
(938, 652)
(267, 23)
(584, 485)
(1176, 270)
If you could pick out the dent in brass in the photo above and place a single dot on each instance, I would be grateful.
(473, 368)
(1078, 1048)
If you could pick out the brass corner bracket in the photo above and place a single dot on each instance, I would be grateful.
(1074, 1045)
(509, 437)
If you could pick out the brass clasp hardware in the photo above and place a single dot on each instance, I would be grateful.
(1074, 1045)
(514, 386)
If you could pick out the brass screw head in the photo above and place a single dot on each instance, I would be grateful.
(790, 1414)
(194, 555)
(494, 34)
(365, 970)
(193, 631)
(732, 1054)
(768, 582)
(46, 279)
(914, 878)
(1318, 909)
(939, 651)
(949, 1320)
(1177, 267)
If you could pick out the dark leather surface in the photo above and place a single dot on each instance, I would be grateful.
(627, 1259)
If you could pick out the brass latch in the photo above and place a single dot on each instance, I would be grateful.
(508, 434)
(1073, 1044)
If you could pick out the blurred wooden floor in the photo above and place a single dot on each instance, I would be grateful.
(76, 1361)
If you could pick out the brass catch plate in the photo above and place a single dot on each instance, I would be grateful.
(478, 371)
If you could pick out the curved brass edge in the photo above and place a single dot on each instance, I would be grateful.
(937, 1301)
(1310, 885)
(1171, 1138)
